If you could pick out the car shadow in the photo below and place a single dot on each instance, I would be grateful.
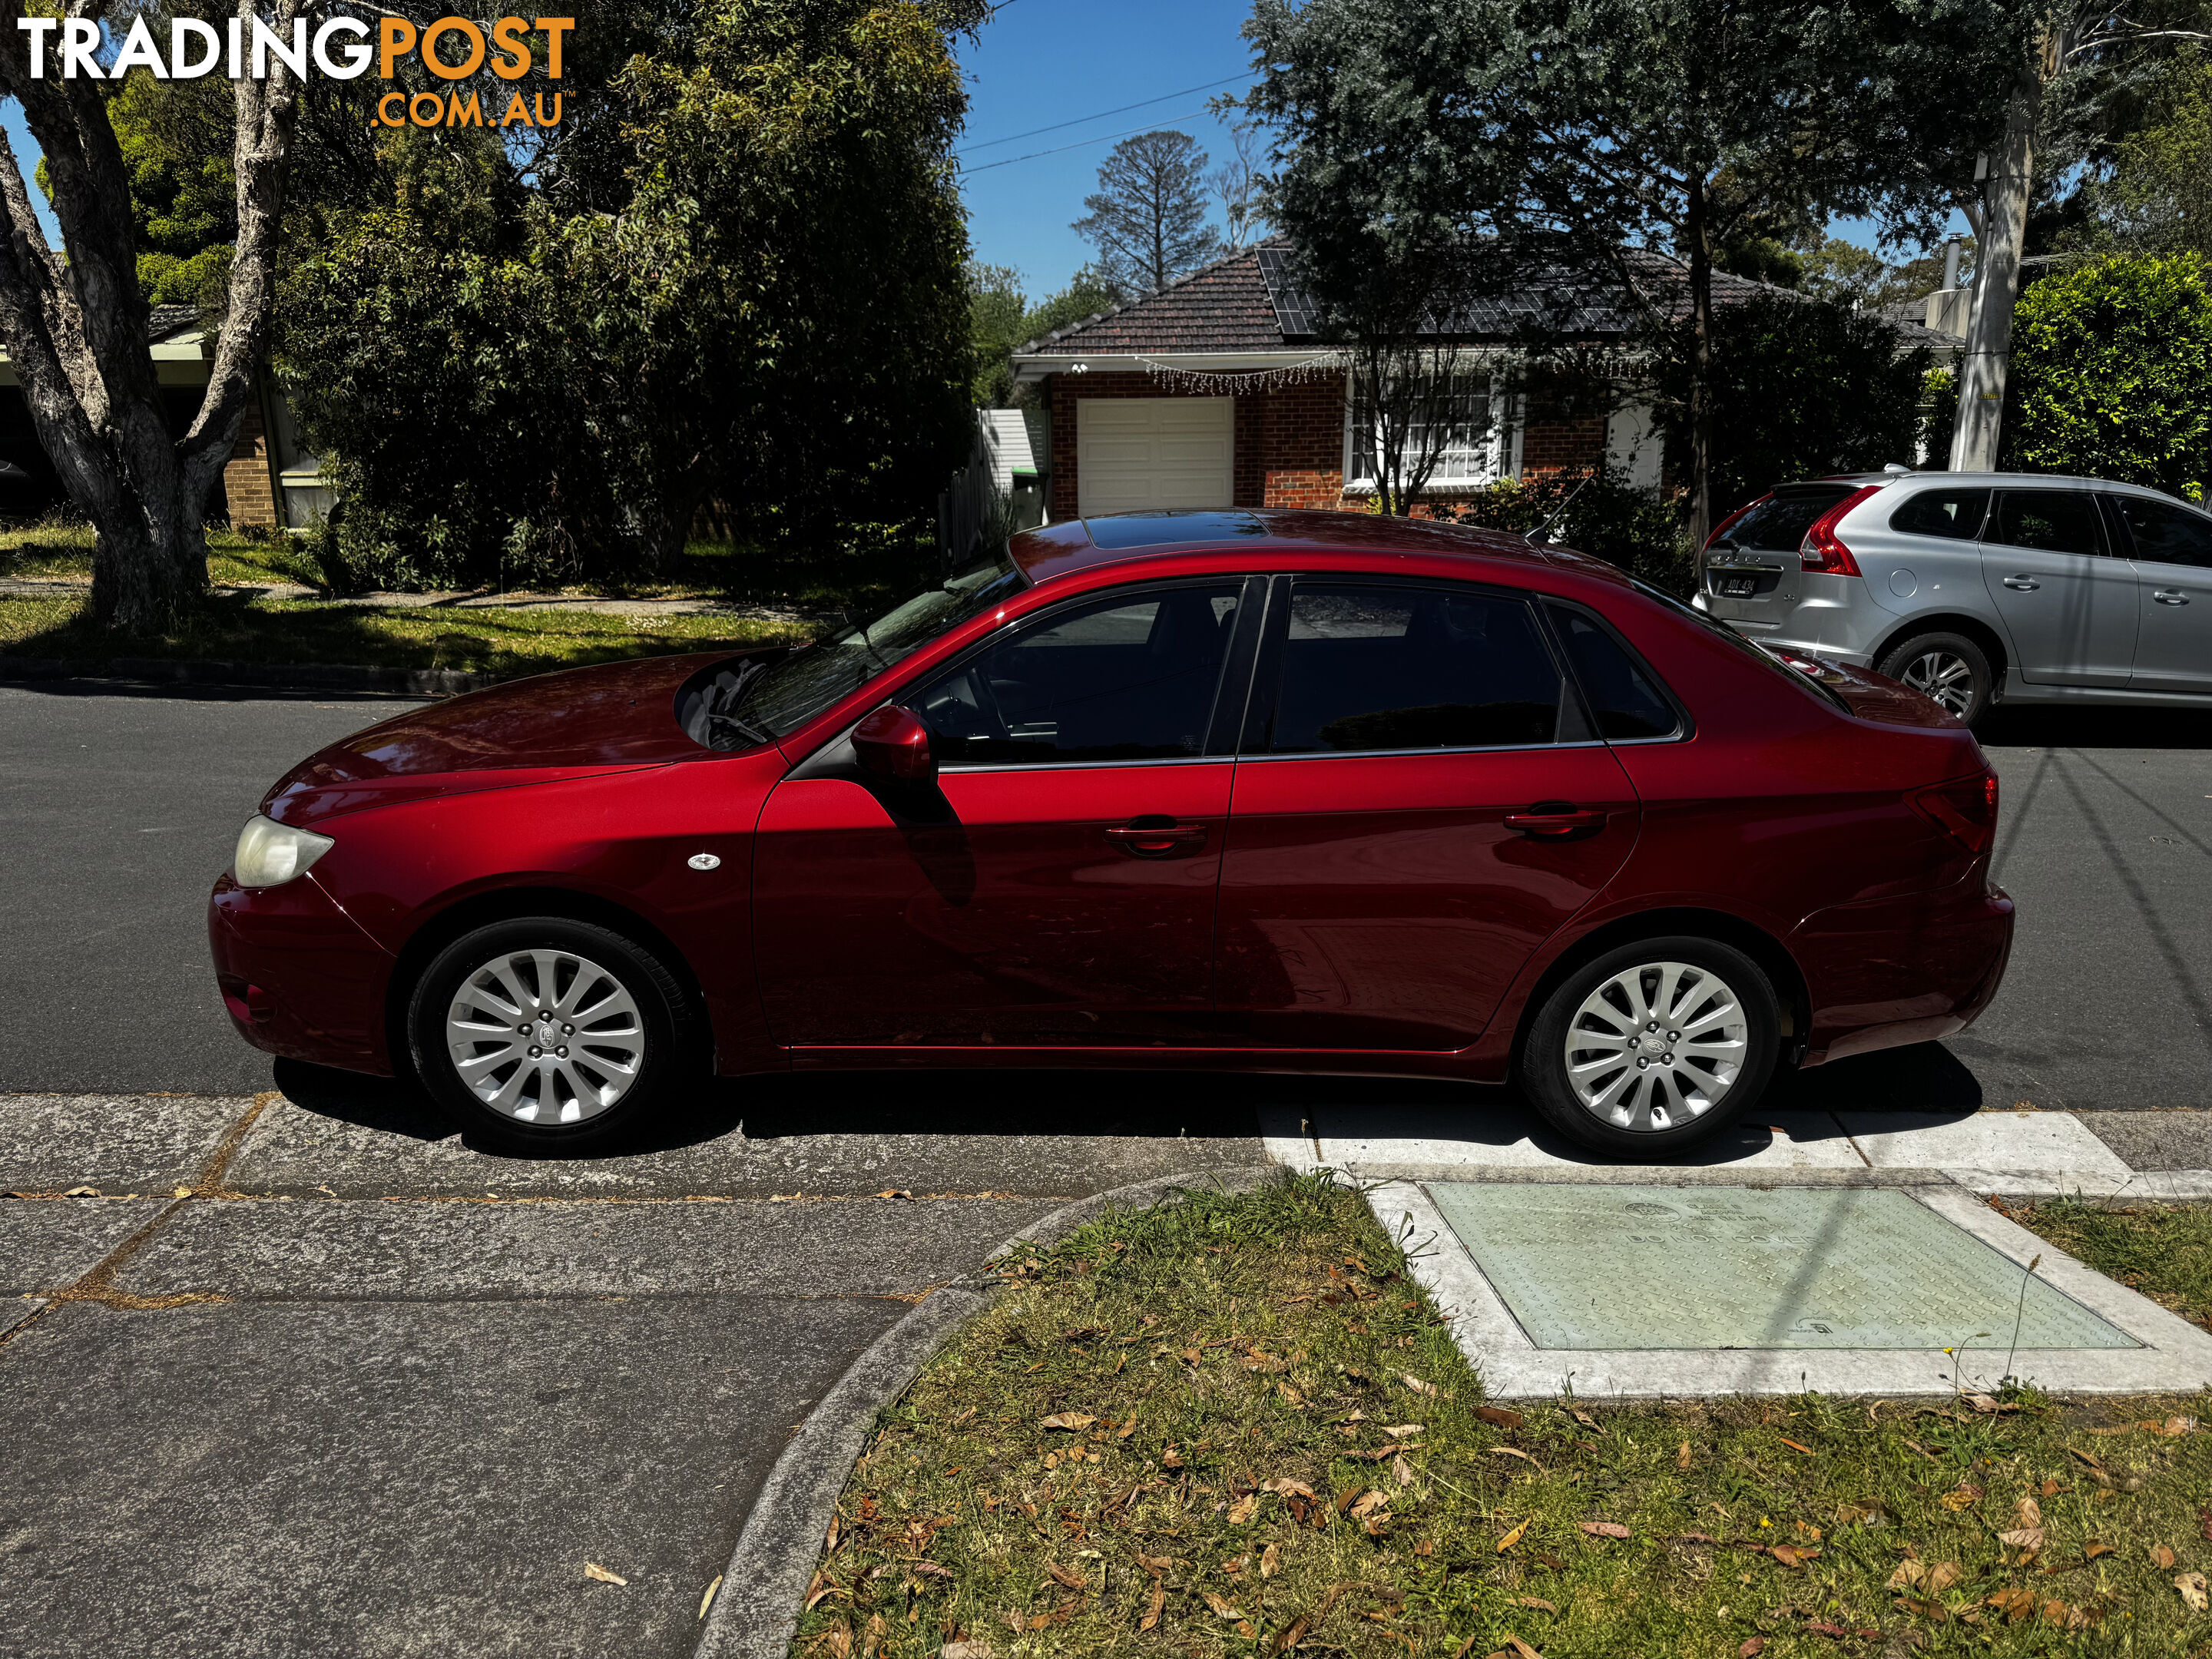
(2057, 726)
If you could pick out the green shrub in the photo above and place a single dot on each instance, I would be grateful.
(1603, 515)
(2112, 367)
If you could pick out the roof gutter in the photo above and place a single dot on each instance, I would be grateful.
(1037, 367)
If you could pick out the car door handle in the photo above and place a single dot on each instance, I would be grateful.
(1555, 820)
(2169, 596)
(2022, 583)
(1155, 836)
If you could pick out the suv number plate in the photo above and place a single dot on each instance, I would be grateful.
(1735, 587)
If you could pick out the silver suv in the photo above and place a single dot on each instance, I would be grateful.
(1977, 588)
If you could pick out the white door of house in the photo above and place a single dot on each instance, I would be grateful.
(1132, 453)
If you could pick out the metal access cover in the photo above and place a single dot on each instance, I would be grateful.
(1669, 1268)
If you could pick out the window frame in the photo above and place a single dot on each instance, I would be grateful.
(1503, 445)
(2122, 534)
(1267, 687)
(1223, 721)
(2001, 493)
(1686, 725)
(1988, 493)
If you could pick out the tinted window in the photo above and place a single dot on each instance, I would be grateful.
(1621, 695)
(2053, 520)
(1778, 525)
(2165, 535)
(1368, 668)
(1124, 678)
(1953, 514)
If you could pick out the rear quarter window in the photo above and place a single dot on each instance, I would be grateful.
(1625, 699)
(1955, 514)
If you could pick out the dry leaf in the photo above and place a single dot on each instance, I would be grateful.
(1498, 1417)
(1403, 1430)
(93, 1192)
(1067, 1420)
(1793, 1556)
(1752, 1648)
(1944, 1575)
(2015, 1604)
(1521, 1648)
(2162, 1558)
(1512, 1538)
(1370, 1501)
(1961, 1497)
(1511, 1451)
(1295, 1632)
(970, 1648)
(1283, 1486)
(1586, 1419)
(1535, 1602)
(1403, 1470)
(593, 1569)
(1059, 1574)
(1908, 1574)
(708, 1600)
(1603, 1529)
(2093, 1549)
(1223, 1608)
(1682, 1457)
(1795, 1445)
(1416, 1384)
(2192, 1586)
(2030, 1512)
(1269, 1558)
(1155, 1564)
(1158, 1605)
(1170, 1459)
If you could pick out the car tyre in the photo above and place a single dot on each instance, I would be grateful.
(1950, 668)
(547, 1035)
(1695, 1025)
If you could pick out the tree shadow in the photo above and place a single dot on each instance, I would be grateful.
(2053, 726)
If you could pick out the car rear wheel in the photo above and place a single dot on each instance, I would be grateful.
(1948, 667)
(1652, 1047)
(546, 1033)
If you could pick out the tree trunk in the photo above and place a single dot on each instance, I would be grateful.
(1980, 422)
(1698, 226)
(147, 566)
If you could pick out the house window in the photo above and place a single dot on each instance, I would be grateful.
(1481, 452)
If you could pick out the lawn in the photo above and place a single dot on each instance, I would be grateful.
(238, 628)
(2163, 1250)
(58, 550)
(1234, 1426)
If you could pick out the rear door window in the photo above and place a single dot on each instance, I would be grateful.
(1370, 668)
(2049, 521)
(1623, 696)
(1778, 525)
(1952, 512)
(2165, 535)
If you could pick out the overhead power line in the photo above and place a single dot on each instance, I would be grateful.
(1013, 137)
(1100, 139)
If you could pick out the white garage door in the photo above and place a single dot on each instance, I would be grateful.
(1132, 453)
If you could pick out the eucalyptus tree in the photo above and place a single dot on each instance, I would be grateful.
(1584, 136)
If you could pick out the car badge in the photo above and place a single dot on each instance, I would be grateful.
(704, 862)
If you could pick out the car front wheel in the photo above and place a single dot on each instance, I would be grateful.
(1652, 1047)
(546, 1033)
(1948, 667)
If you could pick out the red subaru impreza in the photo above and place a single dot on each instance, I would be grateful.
(1281, 791)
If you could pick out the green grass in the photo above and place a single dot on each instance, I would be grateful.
(1232, 1375)
(2163, 1250)
(58, 550)
(239, 628)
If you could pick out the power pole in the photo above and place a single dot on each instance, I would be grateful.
(2005, 197)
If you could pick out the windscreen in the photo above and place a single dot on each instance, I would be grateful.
(1778, 525)
(749, 703)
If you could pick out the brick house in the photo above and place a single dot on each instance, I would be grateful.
(270, 481)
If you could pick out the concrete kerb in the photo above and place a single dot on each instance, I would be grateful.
(755, 1612)
(290, 677)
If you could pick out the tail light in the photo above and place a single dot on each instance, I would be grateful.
(1966, 810)
(1729, 523)
(1820, 549)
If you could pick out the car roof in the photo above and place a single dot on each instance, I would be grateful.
(1055, 550)
(1979, 480)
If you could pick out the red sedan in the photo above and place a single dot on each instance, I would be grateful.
(1277, 791)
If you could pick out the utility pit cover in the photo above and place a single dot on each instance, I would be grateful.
(1710, 1267)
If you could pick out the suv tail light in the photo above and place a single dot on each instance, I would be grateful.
(1729, 523)
(1822, 550)
(1966, 810)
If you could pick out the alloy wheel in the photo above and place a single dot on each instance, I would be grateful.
(1945, 676)
(1656, 1046)
(545, 1036)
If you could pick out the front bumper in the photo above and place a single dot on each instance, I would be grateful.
(299, 977)
(1890, 972)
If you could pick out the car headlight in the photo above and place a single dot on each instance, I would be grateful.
(270, 854)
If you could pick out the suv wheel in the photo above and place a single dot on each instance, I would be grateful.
(1947, 667)
(545, 1034)
(1652, 1047)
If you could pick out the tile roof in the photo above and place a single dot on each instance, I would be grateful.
(1248, 301)
(169, 320)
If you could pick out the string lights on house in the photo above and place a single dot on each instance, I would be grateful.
(1247, 383)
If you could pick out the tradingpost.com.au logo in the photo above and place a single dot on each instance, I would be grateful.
(339, 50)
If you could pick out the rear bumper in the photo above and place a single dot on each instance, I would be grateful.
(1832, 616)
(299, 977)
(1896, 971)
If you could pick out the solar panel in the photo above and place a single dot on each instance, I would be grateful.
(1294, 309)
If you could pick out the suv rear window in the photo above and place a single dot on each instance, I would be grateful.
(1779, 524)
(1951, 512)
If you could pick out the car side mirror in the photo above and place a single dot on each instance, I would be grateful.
(894, 745)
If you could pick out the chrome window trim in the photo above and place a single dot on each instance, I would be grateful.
(1311, 755)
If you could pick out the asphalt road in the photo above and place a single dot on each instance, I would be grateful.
(117, 812)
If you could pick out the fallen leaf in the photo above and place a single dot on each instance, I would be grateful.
(1961, 1497)
(1403, 1470)
(1795, 1445)
(1416, 1384)
(1170, 1459)
(2093, 1549)
(1269, 1558)
(1498, 1417)
(1070, 1420)
(1059, 1574)
(1521, 1648)
(1370, 1501)
(1752, 1648)
(593, 1569)
(1159, 1604)
(1403, 1430)
(1512, 1451)
(1793, 1556)
(1603, 1529)
(2192, 1586)
(1512, 1538)
(1908, 1574)
(1944, 1575)
(1295, 1632)
(89, 1192)
(1223, 1608)
(1987, 1404)
(708, 1600)
(2030, 1512)
(1682, 1457)
(1586, 1419)
(2162, 1558)
(2174, 1427)
(2015, 1604)
(1283, 1487)
(970, 1648)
